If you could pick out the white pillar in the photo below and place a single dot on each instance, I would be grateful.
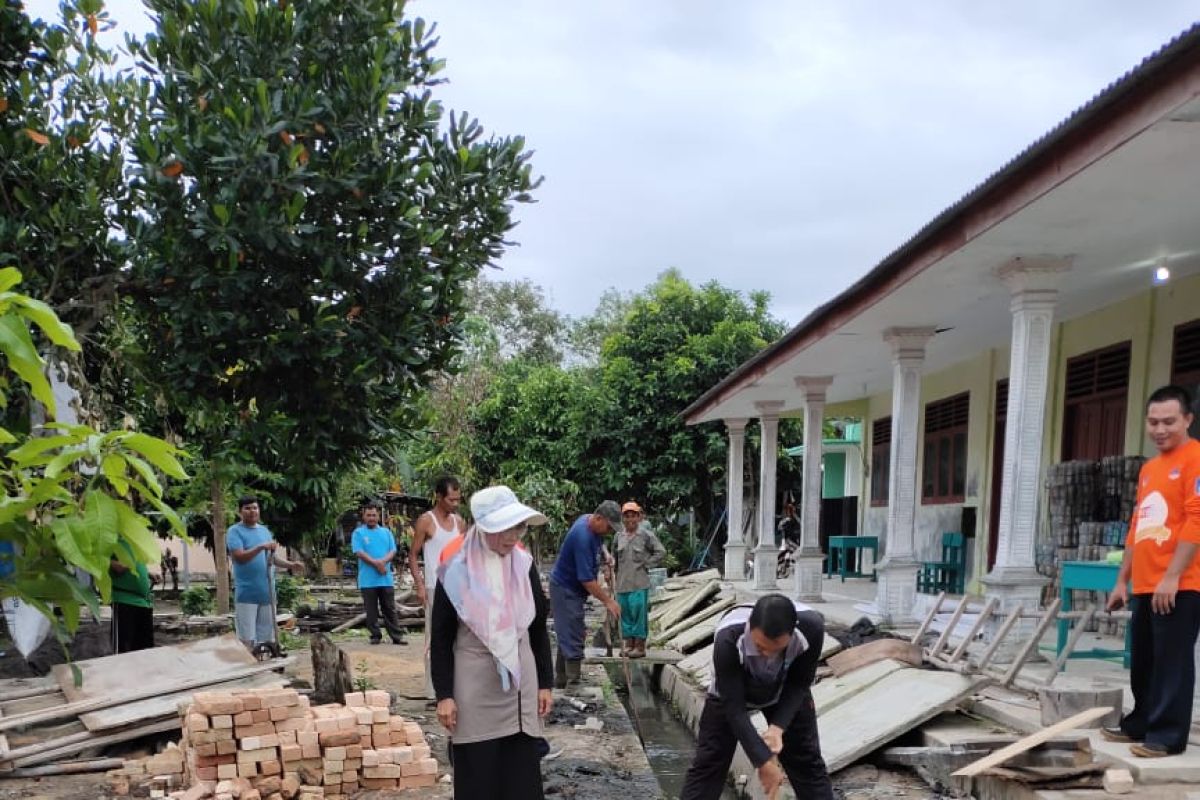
(898, 569)
(1033, 281)
(810, 559)
(767, 553)
(735, 544)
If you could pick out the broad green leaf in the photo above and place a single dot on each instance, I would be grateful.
(157, 452)
(9, 277)
(168, 513)
(26, 454)
(147, 473)
(44, 317)
(135, 529)
(6, 437)
(23, 358)
(115, 468)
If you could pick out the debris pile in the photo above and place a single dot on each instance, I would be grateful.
(271, 745)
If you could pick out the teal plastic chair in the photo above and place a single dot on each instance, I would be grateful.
(950, 573)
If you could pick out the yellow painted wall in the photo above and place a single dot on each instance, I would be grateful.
(1148, 320)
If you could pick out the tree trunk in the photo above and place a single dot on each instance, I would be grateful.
(220, 557)
(331, 671)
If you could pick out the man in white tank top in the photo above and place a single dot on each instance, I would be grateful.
(434, 530)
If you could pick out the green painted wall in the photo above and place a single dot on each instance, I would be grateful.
(835, 475)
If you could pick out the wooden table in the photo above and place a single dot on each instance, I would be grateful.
(1095, 576)
(839, 547)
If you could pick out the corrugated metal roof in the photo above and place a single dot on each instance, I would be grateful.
(1182, 46)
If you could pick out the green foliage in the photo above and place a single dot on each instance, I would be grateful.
(362, 681)
(310, 224)
(72, 495)
(519, 320)
(196, 601)
(287, 592)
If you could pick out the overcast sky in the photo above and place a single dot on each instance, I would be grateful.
(768, 144)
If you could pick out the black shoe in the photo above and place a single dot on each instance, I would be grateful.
(401, 640)
(376, 641)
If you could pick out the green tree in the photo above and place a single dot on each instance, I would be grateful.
(523, 324)
(311, 222)
(73, 494)
(676, 341)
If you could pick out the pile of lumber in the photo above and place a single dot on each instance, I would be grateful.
(271, 745)
(52, 720)
(333, 616)
(684, 617)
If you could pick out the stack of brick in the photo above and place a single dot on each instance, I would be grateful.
(158, 775)
(270, 745)
(394, 752)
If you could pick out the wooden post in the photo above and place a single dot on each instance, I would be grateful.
(220, 557)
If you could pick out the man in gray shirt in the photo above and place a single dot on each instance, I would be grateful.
(638, 549)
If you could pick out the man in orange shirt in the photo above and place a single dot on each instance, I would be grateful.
(1160, 559)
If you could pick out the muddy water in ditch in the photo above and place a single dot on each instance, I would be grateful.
(668, 743)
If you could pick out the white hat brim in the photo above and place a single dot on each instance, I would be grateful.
(509, 516)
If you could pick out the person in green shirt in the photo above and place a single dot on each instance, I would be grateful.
(132, 605)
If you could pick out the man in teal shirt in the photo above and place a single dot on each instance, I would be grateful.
(253, 550)
(375, 547)
(132, 625)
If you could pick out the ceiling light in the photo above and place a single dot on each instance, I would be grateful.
(1161, 273)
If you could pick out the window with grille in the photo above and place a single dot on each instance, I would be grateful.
(1095, 398)
(944, 470)
(1185, 364)
(881, 460)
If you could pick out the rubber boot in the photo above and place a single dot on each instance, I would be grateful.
(574, 675)
(560, 670)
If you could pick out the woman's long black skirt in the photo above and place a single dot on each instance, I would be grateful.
(498, 769)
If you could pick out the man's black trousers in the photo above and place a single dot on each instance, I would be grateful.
(381, 598)
(715, 745)
(1162, 671)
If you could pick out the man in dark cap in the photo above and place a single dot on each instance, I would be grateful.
(574, 577)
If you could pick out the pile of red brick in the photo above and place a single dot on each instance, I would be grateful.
(269, 744)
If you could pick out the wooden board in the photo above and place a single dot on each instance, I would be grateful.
(709, 611)
(695, 638)
(832, 692)
(830, 646)
(599, 655)
(116, 675)
(886, 710)
(1029, 742)
(683, 607)
(878, 650)
(164, 705)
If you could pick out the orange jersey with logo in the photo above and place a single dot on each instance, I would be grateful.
(1168, 512)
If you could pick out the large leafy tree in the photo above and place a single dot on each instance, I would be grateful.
(311, 222)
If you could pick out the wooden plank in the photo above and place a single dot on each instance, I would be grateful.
(1069, 647)
(139, 693)
(1030, 646)
(830, 646)
(980, 621)
(1031, 741)
(708, 612)
(887, 710)
(1011, 620)
(69, 768)
(689, 604)
(696, 637)
(878, 650)
(949, 629)
(832, 692)
(933, 612)
(598, 655)
(162, 665)
(19, 688)
(116, 737)
(164, 704)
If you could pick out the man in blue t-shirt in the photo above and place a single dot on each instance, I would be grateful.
(574, 577)
(375, 547)
(253, 549)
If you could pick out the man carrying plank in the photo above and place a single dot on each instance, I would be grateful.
(764, 658)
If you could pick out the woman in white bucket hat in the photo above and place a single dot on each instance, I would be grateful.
(490, 653)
